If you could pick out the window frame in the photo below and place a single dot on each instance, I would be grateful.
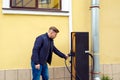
(36, 6)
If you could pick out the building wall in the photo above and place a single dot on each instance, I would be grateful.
(59, 73)
(55, 73)
(109, 29)
(109, 32)
(81, 15)
(18, 33)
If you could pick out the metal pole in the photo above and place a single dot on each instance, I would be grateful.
(95, 38)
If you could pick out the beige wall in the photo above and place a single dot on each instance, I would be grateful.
(59, 73)
(110, 31)
(81, 15)
(56, 73)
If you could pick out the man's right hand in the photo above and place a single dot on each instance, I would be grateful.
(37, 66)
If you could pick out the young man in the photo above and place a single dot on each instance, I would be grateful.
(42, 54)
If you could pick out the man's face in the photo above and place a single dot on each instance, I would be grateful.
(53, 34)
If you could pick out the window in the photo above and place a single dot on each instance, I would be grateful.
(44, 1)
(40, 4)
(36, 7)
(23, 3)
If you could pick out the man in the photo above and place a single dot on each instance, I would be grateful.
(42, 54)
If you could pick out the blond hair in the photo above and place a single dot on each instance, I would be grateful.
(54, 29)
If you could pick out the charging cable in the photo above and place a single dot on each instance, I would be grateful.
(78, 77)
(71, 72)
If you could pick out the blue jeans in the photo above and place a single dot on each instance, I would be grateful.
(43, 71)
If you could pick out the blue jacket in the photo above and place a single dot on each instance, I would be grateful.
(42, 50)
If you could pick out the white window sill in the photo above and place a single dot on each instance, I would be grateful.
(34, 12)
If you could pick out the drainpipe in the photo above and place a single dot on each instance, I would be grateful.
(95, 39)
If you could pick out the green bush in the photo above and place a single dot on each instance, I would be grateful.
(105, 77)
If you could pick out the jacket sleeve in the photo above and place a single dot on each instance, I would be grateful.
(56, 51)
(36, 49)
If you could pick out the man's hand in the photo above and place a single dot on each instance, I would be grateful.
(66, 57)
(37, 66)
